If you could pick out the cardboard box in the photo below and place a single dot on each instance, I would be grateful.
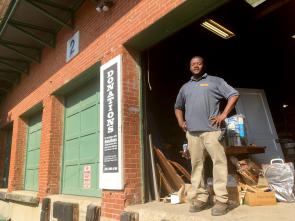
(260, 198)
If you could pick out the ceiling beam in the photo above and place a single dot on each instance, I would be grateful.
(35, 27)
(51, 15)
(5, 90)
(55, 5)
(24, 66)
(16, 44)
(11, 8)
(8, 72)
(15, 60)
(8, 80)
(14, 67)
(20, 26)
(12, 45)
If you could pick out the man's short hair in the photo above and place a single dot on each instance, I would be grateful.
(198, 56)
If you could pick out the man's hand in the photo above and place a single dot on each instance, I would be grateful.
(185, 154)
(182, 125)
(217, 120)
(180, 119)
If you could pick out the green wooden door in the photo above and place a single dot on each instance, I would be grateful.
(33, 152)
(81, 142)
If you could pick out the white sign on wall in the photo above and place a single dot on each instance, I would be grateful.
(87, 177)
(73, 46)
(111, 163)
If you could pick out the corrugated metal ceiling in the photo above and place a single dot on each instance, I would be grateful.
(27, 26)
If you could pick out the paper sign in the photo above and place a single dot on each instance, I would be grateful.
(87, 177)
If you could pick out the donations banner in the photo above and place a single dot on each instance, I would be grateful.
(111, 171)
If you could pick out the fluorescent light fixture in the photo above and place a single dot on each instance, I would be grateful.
(255, 3)
(285, 105)
(217, 29)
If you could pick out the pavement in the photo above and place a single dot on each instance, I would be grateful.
(159, 211)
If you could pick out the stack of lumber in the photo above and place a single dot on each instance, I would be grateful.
(171, 175)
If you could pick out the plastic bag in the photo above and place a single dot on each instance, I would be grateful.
(280, 177)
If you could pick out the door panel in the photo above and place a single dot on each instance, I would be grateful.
(89, 120)
(81, 142)
(71, 152)
(33, 152)
(71, 177)
(73, 126)
(89, 153)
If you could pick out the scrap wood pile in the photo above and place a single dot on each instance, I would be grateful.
(248, 170)
(171, 175)
(249, 177)
(264, 184)
(253, 184)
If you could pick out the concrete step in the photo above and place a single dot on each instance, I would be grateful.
(158, 211)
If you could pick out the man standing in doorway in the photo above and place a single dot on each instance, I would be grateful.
(197, 113)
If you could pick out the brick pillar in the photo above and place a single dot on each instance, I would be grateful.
(114, 202)
(17, 157)
(50, 148)
(131, 127)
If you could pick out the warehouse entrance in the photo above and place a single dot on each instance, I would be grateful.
(259, 55)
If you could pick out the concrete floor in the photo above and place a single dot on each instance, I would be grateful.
(159, 211)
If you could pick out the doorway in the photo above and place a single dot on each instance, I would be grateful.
(8, 139)
(259, 56)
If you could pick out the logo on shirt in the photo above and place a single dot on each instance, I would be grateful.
(204, 85)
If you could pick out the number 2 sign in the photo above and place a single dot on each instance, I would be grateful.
(73, 46)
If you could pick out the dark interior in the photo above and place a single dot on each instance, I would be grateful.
(261, 55)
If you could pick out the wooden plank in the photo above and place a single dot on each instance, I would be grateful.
(181, 169)
(169, 171)
(244, 150)
(247, 187)
(248, 177)
(163, 180)
(155, 182)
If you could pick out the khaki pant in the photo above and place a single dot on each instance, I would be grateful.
(198, 144)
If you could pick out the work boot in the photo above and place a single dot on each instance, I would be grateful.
(198, 206)
(220, 208)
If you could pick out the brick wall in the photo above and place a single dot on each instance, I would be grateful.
(101, 38)
(51, 143)
(17, 157)
(131, 126)
(115, 201)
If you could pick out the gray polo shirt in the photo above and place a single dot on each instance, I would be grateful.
(200, 100)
